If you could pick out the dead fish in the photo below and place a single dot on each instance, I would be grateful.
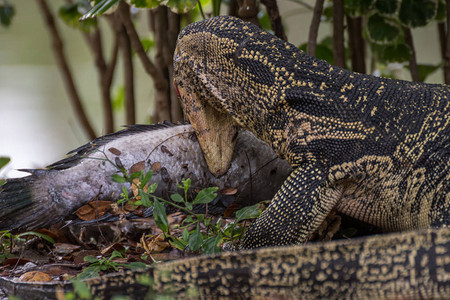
(171, 150)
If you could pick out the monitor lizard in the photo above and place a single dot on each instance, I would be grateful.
(376, 149)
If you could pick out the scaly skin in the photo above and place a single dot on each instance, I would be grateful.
(409, 265)
(376, 149)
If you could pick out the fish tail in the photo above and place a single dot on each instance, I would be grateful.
(24, 203)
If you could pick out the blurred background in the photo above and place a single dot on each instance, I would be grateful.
(37, 121)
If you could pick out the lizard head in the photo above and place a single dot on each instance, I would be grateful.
(212, 85)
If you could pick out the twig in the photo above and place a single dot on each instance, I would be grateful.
(413, 60)
(58, 48)
(356, 44)
(128, 77)
(314, 28)
(94, 41)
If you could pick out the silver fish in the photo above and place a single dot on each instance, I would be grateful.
(48, 195)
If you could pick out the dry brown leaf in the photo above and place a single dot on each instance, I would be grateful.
(229, 191)
(116, 246)
(137, 167)
(64, 248)
(92, 210)
(114, 151)
(35, 276)
(156, 167)
(14, 261)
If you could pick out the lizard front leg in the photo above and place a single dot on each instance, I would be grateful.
(296, 211)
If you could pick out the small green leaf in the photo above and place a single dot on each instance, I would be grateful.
(426, 70)
(177, 198)
(115, 254)
(89, 272)
(195, 240)
(147, 44)
(134, 265)
(90, 259)
(152, 188)
(146, 178)
(4, 161)
(248, 212)
(185, 235)
(206, 195)
(144, 198)
(99, 8)
(396, 53)
(118, 178)
(70, 14)
(159, 213)
(382, 30)
(211, 245)
(44, 236)
(414, 13)
(178, 243)
(387, 7)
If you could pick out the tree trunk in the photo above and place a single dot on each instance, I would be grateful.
(412, 61)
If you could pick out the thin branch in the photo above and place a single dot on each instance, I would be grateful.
(94, 40)
(338, 33)
(413, 60)
(275, 18)
(130, 105)
(314, 28)
(58, 48)
(135, 41)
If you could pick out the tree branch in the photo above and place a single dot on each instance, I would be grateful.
(94, 41)
(58, 48)
(314, 28)
(412, 61)
(135, 41)
(130, 105)
(338, 33)
(275, 18)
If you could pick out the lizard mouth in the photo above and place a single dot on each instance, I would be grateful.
(216, 131)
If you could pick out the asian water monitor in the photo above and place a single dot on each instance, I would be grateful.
(376, 149)
(409, 265)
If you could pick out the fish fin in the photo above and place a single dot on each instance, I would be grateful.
(80, 152)
(25, 203)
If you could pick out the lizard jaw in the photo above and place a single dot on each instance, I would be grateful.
(216, 131)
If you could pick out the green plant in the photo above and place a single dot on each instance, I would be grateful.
(207, 241)
(8, 240)
(105, 264)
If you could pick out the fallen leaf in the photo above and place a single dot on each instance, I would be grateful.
(156, 167)
(35, 276)
(137, 167)
(14, 261)
(114, 151)
(64, 248)
(229, 191)
(116, 246)
(93, 210)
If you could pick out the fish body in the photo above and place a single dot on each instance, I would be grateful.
(172, 151)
